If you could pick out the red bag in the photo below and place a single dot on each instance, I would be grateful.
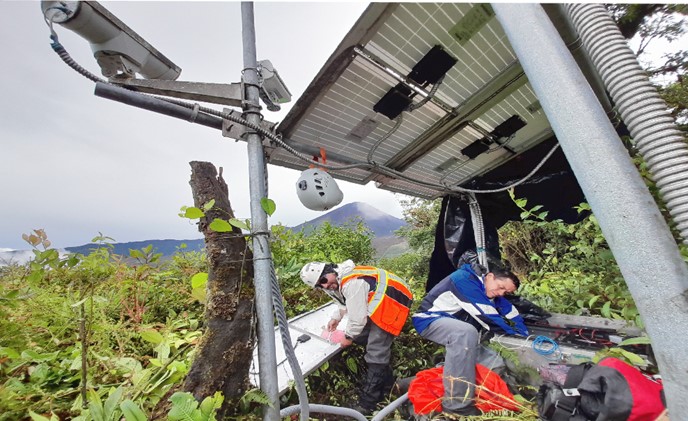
(426, 391)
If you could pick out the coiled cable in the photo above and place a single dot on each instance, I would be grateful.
(546, 347)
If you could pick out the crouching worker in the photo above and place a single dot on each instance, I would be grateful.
(377, 304)
(454, 313)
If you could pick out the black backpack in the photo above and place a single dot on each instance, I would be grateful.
(610, 390)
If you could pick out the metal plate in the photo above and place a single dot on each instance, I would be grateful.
(311, 354)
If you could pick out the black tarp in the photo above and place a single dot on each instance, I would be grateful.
(553, 186)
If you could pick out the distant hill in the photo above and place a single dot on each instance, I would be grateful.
(381, 223)
(166, 247)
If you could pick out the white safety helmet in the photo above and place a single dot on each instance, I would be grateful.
(311, 272)
(317, 190)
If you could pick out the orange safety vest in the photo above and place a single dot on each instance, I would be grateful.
(389, 299)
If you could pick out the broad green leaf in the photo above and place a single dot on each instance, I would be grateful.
(268, 205)
(183, 407)
(76, 363)
(199, 280)
(136, 254)
(635, 359)
(593, 300)
(193, 213)
(209, 205)
(34, 356)
(132, 412)
(96, 406)
(111, 403)
(220, 225)
(11, 295)
(239, 224)
(163, 350)
(152, 336)
(9, 352)
(209, 404)
(72, 261)
(200, 294)
(643, 340)
(606, 312)
(351, 364)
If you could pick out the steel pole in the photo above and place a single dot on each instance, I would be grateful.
(262, 267)
(637, 234)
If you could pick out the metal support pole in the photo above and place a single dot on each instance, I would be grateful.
(262, 268)
(642, 244)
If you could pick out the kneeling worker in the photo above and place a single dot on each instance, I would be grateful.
(454, 313)
(377, 303)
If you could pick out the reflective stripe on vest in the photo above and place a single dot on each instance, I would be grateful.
(389, 298)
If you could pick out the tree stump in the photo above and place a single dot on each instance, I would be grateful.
(225, 351)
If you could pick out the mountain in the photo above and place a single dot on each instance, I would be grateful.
(166, 247)
(382, 224)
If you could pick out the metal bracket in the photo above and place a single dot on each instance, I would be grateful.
(215, 93)
(235, 130)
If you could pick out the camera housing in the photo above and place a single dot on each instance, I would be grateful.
(119, 51)
(273, 84)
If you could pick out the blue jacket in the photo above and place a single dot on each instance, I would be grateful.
(461, 295)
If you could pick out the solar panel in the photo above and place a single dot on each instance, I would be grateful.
(382, 67)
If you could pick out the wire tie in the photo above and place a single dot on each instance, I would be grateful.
(194, 113)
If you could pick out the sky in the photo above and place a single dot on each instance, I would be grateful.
(78, 165)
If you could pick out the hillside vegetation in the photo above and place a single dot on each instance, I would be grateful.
(93, 337)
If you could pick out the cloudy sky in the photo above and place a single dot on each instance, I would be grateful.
(76, 164)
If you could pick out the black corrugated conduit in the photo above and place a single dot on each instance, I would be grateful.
(658, 140)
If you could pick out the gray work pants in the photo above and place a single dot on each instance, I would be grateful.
(462, 344)
(378, 343)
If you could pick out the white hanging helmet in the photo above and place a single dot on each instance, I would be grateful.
(311, 272)
(317, 190)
